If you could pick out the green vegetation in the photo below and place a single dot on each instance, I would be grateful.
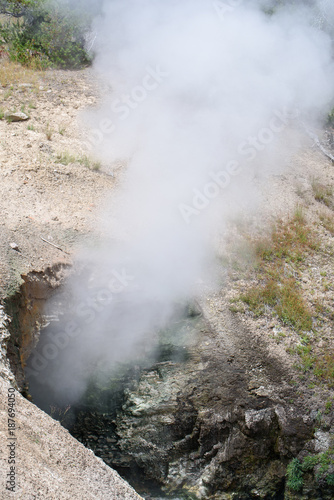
(45, 34)
(321, 364)
(288, 244)
(294, 475)
(320, 465)
(88, 163)
(67, 158)
(328, 407)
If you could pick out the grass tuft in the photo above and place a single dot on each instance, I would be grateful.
(48, 132)
(88, 163)
(285, 298)
(65, 158)
(322, 193)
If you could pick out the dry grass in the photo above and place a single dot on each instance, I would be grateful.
(48, 131)
(289, 243)
(13, 73)
(327, 222)
(285, 298)
(322, 193)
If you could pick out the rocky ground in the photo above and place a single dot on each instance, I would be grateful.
(225, 422)
(49, 183)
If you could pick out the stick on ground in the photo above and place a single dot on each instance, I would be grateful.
(52, 244)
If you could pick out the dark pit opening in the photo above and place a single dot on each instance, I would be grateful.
(96, 417)
(161, 418)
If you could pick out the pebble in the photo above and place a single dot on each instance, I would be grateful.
(14, 246)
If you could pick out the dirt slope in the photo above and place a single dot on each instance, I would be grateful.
(48, 186)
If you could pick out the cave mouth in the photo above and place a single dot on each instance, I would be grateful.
(91, 417)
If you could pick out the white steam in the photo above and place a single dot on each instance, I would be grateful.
(204, 96)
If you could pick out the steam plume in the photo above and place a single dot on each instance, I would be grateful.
(204, 96)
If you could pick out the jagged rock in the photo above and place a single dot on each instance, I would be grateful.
(196, 429)
(322, 441)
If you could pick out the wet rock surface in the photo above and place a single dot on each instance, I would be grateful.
(216, 424)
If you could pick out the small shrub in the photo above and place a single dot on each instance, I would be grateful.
(309, 463)
(330, 479)
(324, 462)
(47, 34)
(294, 475)
(317, 464)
